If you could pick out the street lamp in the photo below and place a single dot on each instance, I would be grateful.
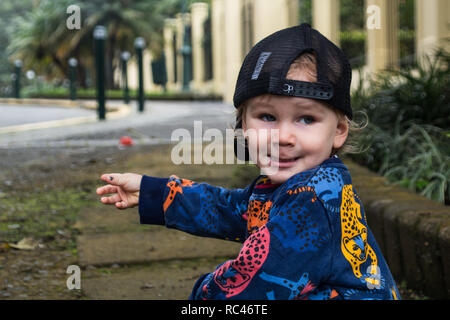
(125, 56)
(73, 78)
(139, 45)
(186, 51)
(16, 78)
(30, 74)
(99, 39)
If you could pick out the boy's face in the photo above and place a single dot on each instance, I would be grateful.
(308, 130)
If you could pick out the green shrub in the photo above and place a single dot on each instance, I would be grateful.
(63, 93)
(407, 138)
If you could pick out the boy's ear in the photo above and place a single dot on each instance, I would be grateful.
(341, 133)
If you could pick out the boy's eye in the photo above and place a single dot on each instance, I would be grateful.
(307, 119)
(267, 117)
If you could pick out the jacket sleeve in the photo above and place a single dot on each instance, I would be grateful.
(197, 208)
(287, 258)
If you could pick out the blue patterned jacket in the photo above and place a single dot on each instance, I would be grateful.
(304, 239)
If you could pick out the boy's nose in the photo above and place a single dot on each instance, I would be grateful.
(286, 135)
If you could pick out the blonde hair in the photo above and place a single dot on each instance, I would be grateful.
(304, 68)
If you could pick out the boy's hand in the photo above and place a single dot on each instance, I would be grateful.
(124, 187)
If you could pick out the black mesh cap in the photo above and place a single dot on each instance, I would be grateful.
(266, 65)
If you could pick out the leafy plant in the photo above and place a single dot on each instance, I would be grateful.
(427, 171)
(407, 138)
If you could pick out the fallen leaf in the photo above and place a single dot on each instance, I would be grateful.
(25, 244)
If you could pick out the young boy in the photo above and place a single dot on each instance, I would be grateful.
(303, 226)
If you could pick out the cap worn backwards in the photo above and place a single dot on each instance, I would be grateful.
(265, 68)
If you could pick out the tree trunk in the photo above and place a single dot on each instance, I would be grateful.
(59, 64)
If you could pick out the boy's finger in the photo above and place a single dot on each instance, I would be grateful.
(107, 176)
(111, 200)
(107, 189)
(113, 178)
(121, 205)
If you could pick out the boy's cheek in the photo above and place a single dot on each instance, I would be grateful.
(263, 137)
(263, 148)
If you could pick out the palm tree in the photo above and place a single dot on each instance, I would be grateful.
(8, 10)
(42, 40)
(34, 34)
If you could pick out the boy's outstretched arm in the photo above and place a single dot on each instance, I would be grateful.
(196, 208)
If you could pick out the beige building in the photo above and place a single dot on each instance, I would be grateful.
(236, 25)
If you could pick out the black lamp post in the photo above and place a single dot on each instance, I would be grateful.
(99, 39)
(73, 78)
(125, 56)
(16, 78)
(186, 51)
(139, 45)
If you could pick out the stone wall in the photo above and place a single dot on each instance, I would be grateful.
(412, 232)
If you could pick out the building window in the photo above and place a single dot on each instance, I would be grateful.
(305, 11)
(353, 35)
(406, 33)
(207, 49)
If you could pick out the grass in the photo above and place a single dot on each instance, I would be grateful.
(41, 215)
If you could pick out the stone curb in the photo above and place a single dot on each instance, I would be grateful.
(49, 102)
(412, 231)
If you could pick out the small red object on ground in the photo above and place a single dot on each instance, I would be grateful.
(126, 141)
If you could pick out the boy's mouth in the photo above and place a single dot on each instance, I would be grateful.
(283, 162)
